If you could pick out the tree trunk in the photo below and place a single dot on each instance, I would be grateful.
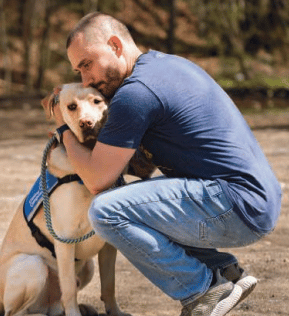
(44, 51)
(5, 50)
(28, 18)
(171, 28)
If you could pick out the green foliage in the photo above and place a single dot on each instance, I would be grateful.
(244, 25)
(240, 33)
(269, 82)
(109, 6)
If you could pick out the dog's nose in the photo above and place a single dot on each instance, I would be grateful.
(86, 123)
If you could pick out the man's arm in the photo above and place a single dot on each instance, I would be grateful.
(99, 168)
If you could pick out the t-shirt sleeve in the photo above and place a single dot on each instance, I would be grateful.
(133, 110)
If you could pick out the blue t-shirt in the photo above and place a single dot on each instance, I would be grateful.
(193, 130)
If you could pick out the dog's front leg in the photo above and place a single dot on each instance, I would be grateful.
(106, 260)
(65, 254)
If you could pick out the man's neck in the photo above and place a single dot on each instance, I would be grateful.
(132, 61)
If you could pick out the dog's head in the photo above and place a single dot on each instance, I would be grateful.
(83, 109)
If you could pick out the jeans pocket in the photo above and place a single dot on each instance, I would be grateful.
(217, 225)
(226, 230)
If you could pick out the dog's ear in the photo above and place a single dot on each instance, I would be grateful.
(47, 104)
(50, 100)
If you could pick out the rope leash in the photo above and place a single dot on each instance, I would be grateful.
(46, 203)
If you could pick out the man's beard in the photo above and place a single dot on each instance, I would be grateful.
(112, 82)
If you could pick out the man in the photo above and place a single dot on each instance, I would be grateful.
(218, 189)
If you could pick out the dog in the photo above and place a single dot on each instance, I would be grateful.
(32, 280)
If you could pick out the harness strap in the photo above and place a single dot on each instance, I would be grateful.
(69, 178)
(40, 238)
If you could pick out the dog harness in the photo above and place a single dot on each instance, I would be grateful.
(34, 200)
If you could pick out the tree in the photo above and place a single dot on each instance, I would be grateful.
(169, 24)
(44, 52)
(242, 28)
(171, 27)
(220, 22)
(28, 26)
(5, 50)
(90, 6)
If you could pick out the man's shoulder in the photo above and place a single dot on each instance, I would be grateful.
(134, 90)
(135, 98)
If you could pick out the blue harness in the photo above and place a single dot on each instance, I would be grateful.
(34, 200)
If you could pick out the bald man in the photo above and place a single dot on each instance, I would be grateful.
(217, 188)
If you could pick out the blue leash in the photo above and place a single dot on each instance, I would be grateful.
(46, 203)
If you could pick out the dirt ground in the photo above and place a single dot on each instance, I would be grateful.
(23, 136)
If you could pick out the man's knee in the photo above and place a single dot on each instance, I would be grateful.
(102, 211)
(96, 213)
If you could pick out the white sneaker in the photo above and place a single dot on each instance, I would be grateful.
(247, 284)
(217, 301)
(238, 276)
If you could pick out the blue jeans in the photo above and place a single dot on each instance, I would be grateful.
(168, 229)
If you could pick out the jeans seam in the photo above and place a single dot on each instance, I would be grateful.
(202, 230)
(222, 215)
(153, 201)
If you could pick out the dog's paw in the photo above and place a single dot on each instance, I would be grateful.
(87, 310)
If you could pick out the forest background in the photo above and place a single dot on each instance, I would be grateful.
(243, 44)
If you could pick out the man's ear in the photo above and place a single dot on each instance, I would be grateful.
(116, 45)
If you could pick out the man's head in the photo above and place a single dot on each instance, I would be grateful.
(102, 50)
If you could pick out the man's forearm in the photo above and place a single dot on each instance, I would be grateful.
(99, 168)
(80, 158)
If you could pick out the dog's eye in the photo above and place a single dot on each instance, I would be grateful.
(72, 106)
(96, 101)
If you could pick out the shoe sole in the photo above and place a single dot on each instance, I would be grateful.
(225, 305)
(247, 285)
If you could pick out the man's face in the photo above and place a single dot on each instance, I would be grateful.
(98, 65)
